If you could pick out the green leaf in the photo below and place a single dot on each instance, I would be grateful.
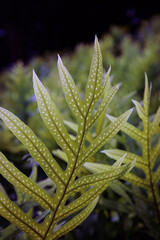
(146, 99)
(13, 175)
(70, 90)
(117, 187)
(130, 157)
(106, 100)
(63, 183)
(77, 220)
(155, 125)
(129, 129)
(97, 183)
(37, 149)
(104, 137)
(93, 88)
(147, 164)
(155, 152)
(51, 117)
(16, 216)
(140, 110)
(71, 125)
(60, 154)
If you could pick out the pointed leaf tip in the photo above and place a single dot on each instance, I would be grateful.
(130, 111)
(60, 62)
(134, 102)
(35, 77)
(118, 85)
(59, 58)
(111, 118)
(96, 42)
(145, 74)
(95, 39)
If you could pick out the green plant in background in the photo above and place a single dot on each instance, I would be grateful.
(129, 57)
(146, 174)
(61, 205)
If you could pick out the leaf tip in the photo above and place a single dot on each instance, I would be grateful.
(118, 85)
(35, 78)
(111, 118)
(134, 102)
(59, 62)
(96, 42)
(130, 111)
(132, 164)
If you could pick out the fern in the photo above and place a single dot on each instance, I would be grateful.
(148, 162)
(90, 186)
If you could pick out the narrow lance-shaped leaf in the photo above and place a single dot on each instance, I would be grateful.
(116, 154)
(106, 100)
(146, 99)
(93, 179)
(139, 108)
(16, 216)
(77, 220)
(129, 129)
(104, 137)
(37, 149)
(99, 184)
(155, 152)
(119, 188)
(22, 182)
(155, 125)
(70, 90)
(93, 88)
(106, 79)
(51, 117)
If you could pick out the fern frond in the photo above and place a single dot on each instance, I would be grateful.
(76, 154)
(146, 162)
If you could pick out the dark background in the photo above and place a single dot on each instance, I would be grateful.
(30, 28)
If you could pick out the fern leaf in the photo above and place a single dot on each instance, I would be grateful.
(130, 157)
(155, 152)
(99, 178)
(129, 129)
(75, 155)
(37, 149)
(119, 188)
(147, 162)
(51, 116)
(70, 90)
(155, 125)
(146, 99)
(17, 178)
(93, 88)
(104, 137)
(16, 216)
(106, 78)
(107, 99)
(77, 220)
(140, 110)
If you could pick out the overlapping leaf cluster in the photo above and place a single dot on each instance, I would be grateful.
(146, 175)
(148, 161)
(89, 186)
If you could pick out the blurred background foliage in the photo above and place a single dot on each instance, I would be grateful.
(129, 56)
